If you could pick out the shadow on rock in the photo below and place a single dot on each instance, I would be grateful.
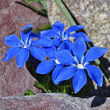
(97, 101)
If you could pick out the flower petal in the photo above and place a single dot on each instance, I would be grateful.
(12, 40)
(12, 52)
(79, 48)
(26, 30)
(94, 53)
(29, 27)
(38, 53)
(55, 72)
(81, 34)
(95, 74)
(48, 33)
(22, 57)
(79, 80)
(50, 51)
(64, 57)
(34, 35)
(58, 26)
(57, 41)
(44, 42)
(65, 74)
(66, 45)
(74, 28)
(45, 67)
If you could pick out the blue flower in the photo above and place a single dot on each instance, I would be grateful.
(22, 48)
(75, 65)
(46, 67)
(57, 32)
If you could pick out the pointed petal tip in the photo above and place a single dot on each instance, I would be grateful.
(100, 85)
(19, 67)
(76, 91)
(81, 26)
(105, 50)
(4, 59)
(27, 26)
(57, 82)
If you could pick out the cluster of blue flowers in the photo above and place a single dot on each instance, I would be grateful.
(66, 59)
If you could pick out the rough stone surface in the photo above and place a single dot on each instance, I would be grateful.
(95, 15)
(54, 101)
(13, 17)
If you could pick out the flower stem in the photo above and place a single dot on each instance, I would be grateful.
(43, 13)
(65, 11)
(72, 22)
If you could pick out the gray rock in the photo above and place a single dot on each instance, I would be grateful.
(52, 101)
(13, 17)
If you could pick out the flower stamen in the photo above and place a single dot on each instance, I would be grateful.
(80, 66)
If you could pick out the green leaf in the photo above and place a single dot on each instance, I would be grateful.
(44, 4)
(65, 11)
(38, 85)
(29, 92)
(35, 0)
(41, 12)
(42, 28)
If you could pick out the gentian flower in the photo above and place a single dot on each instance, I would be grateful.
(57, 32)
(22, 48)
(76, 65)
(46, 67)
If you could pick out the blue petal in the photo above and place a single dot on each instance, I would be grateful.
(94, 53)
(48, 33)
(45, 67)
(29, 27)
(79, 80)
(65, 74)
(55, 73)
(66, 36)
(38, 53)
(79, 48)
(58, 26)
(81, 34)
(12, 52)
(95, 74)
(44, 42)
(64, 57)
(34, 35)
(12, 40)
(74, 28)
(22, 57)
(50, 51)
(66, 45)
(57, 41)
(26, 30)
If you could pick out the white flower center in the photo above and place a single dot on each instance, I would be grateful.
(25, 46)
(57, 61)
(80, 66)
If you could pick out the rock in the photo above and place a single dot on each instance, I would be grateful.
(53, 101)
(13, 17)
(94, 14)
